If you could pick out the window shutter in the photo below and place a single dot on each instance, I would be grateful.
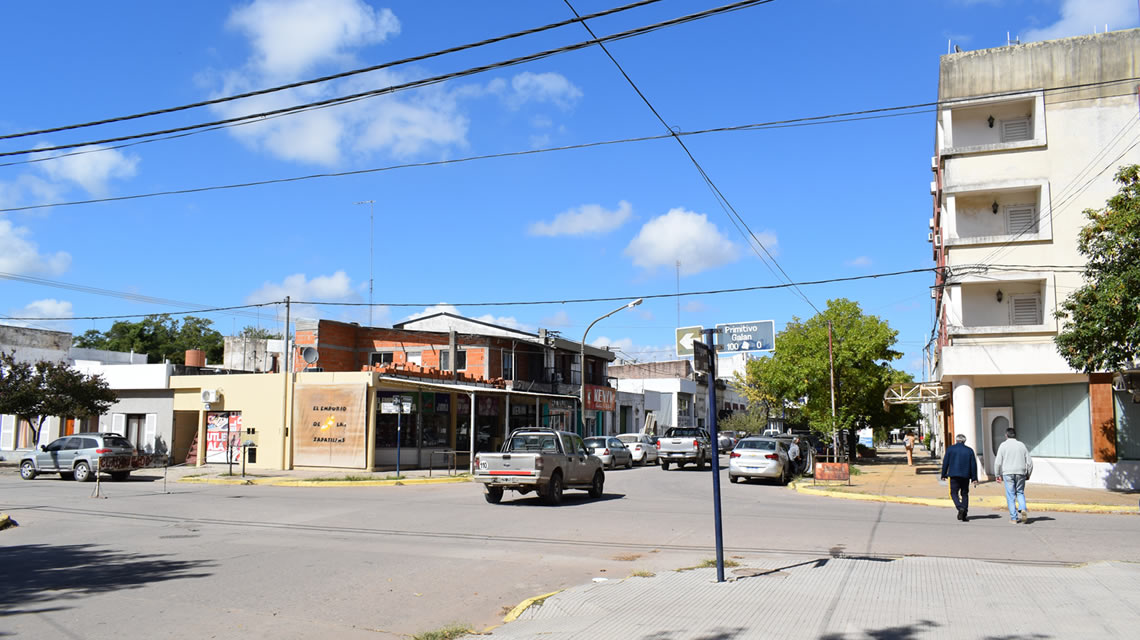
(119, 423)
(151, 432)
(1021, 219)
(1014, 130)
(1026, 310)
(7, 432)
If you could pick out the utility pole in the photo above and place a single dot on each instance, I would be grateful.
(371, 206)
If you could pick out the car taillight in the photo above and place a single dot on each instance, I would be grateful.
(476, 463)
(637, 447)
(103, 451)
(657, 444)
(538, 463)
(696, 444)
(734, 454)
(772, 456)
(606, 452)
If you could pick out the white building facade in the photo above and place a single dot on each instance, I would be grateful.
(1027, 138)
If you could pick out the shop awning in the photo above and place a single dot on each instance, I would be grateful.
(915, 393)
(470, 388)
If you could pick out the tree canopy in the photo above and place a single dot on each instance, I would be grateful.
(1101, 329)
(160, 337)
(798, 373)
(38, 391)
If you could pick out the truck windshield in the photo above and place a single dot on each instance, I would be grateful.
(533, 442)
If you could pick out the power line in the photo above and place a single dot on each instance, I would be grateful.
(850, 116)
(335, 76)
(166, 313)
(404, 86)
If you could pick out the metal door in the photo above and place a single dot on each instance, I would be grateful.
(995, 421)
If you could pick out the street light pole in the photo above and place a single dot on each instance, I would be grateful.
(371, 204)
(582, 355)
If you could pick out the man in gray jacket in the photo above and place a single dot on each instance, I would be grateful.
(1013, 466)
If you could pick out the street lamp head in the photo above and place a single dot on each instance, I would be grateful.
(634, 303)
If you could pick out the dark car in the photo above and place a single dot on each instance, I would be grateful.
(81, 456)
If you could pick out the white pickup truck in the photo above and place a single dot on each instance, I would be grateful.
(684, 444)
(541, 460)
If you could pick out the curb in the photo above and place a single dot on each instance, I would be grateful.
(288, 482)
(526, 604)
(981, 501)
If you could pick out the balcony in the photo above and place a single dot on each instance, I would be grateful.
(998, 213)
(992, 124)
(985, 309)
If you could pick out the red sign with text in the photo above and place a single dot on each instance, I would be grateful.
(600, 398)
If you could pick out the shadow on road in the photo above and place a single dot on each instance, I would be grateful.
(42, 573)
(900, 632)
(568, 500)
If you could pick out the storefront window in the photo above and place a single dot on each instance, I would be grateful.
(386, 424)
(436, 415)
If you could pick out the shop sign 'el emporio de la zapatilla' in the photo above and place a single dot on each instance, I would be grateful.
(331, 426)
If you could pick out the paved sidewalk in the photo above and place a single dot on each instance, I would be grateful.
(888, 478)
(831, 598)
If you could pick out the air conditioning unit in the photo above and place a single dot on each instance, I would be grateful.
(934, 293)
(934, 188)
(210, 395)
(930, 237)
(931, 223)
(938, 240)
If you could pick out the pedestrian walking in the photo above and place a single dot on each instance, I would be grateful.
(1013, 466)
(908, 442)
(794, 455)
(961, 468)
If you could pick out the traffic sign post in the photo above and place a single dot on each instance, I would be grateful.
(737, 337)
(710, 360)
(703, 356)
(685, 338)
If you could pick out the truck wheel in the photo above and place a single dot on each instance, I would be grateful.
(664, 465)
(701, 463)
(82, 472)
(554, 489)
(119, 476)
(494, 495)
(28, 470)
(598, 484)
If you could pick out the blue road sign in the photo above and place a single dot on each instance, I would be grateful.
(737, 337)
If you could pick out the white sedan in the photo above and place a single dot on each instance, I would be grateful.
(759, 458)
(644, 451)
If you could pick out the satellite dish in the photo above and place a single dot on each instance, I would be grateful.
(310, 355)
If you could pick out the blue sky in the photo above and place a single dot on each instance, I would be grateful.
(828, 201)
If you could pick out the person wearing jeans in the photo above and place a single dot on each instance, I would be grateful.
(1013, 466)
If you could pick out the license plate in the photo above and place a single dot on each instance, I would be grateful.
(483, 465)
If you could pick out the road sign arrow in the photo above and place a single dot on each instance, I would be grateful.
(687, 340)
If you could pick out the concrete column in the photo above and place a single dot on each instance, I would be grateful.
(965, 422)
(201, 453)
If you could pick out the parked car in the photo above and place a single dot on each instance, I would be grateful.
(759, 458)
(611, 451)
(541, 460)
(81, 456)
(643, 447)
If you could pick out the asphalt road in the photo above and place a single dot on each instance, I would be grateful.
(373, 562)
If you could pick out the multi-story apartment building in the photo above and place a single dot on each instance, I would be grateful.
(1028, 137)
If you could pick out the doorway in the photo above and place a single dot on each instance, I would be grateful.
(996, 420)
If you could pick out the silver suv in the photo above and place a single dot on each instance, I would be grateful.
(81, 456)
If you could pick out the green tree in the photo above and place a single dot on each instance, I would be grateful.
(160, 337)
(798, 373)
(38, 391)
(1101, 329)
(258, 333)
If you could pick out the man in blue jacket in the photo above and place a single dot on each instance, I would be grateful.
(960, 466)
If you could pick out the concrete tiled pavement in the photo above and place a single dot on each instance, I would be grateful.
(829, 598)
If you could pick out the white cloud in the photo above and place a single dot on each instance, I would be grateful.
(550, 87)
(686, 236)
(46, 308)
(20, 255)
(90, 167)
(696, 306)
(1080, 17)
(559, 319)
(588, 218)
(861, 261)
(443, 307)
(290, 37)
(298, 287)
